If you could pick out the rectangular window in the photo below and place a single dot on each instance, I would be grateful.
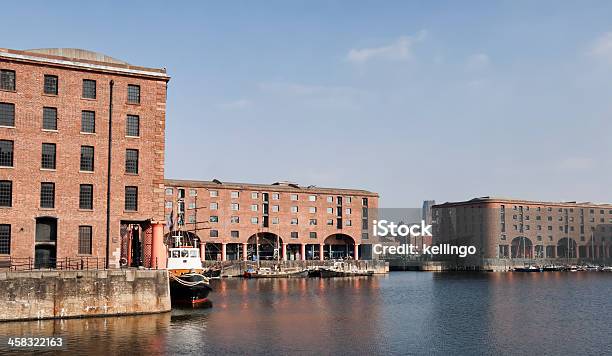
(254, 207)
(131, 161)
(313, 235)
(131, 198)
(364, 201)
(235, 206)
(169, 191)
(235, 195)
(168, 205)
(349, 200)
(330, 221)
(254, 220)
(85, 240)
(6, 193)
(294, 234)
(7, 79)
(86, 197)
(7, 114)
(48, 156)
(254, 195)
(275, 208)
(5, 239)
(214, 193)
(349, 223)
(294, 209)
(330, 199)
(214, 219)
(294, 221)
(312, 198)
(330, 210)
(348, 211)
(50, 86)
(214, 206)
(132, 127)
(365, 236)
(88, 121)
(89, 89)
(47, 195)
(133, 94)
(49, 118)
(234, 219)
(312, 209)
(294, 197)
(191, 206)
(6, 153)
(87, 158)
(275, 196)
(275, 221)
(193, 193)
(235, 234)
(214, 233)
(312, 222)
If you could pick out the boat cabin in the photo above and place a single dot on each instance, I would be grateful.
(185, 258)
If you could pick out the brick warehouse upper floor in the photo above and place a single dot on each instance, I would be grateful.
(54, 142)
(226, 212)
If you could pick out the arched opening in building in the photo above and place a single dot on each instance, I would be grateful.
(136, 243)
(264, 246)
(339, 246)
(566, 248)
(45, 247)
(521, 247)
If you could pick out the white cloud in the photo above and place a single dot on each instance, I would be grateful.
(400, 49)
(236, 104)
(478, 61)
(602, 47)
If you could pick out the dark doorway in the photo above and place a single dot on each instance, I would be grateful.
(45, 250)
(136, 244)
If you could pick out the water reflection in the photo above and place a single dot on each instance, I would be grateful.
(403, 313)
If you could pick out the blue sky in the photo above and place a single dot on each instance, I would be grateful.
(415, 100)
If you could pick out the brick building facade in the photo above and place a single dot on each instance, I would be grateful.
(508, 229)
(54, 147)
(236, 221)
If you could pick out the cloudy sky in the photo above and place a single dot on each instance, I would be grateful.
(415, 100)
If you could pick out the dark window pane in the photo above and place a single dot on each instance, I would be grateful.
(86, 196)
(7, 79)
(88, 121)
(47, 195)
(89, 89)
(85, 240)
(48, 155)
(7, 114)
(50, 84)
(131, 161)
(133, 125)
(50, 118)
(5, 239)
(87, 158)
(214, 233)
(6, 153)
(134, 94)
(6, 193)
(131, 198)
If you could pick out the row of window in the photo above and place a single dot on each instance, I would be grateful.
(49, 161)
(550, 237)
(47, 196)
(8, 81)
(255, 195)
(294, 234)
(550, 209)
(85, 239)
(275, 220)
(49, 122)
(255, 207)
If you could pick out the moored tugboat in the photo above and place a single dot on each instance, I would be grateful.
(188, 284)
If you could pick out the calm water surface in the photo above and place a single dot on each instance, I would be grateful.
(556, 313)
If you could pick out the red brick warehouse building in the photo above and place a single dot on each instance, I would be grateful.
(236, 221)
(55, 106)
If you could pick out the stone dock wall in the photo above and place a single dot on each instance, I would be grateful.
(72, 294)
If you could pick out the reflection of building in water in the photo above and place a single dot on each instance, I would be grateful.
(508, 230)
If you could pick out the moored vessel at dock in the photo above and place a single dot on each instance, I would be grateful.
(189, 284)
(266, 272)
(339, 269)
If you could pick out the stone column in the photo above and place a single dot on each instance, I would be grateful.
(223, 251)
(158, 250)
(244, 251)
(284, 252)
(321, 254)
(303, 252)
(356, 252)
